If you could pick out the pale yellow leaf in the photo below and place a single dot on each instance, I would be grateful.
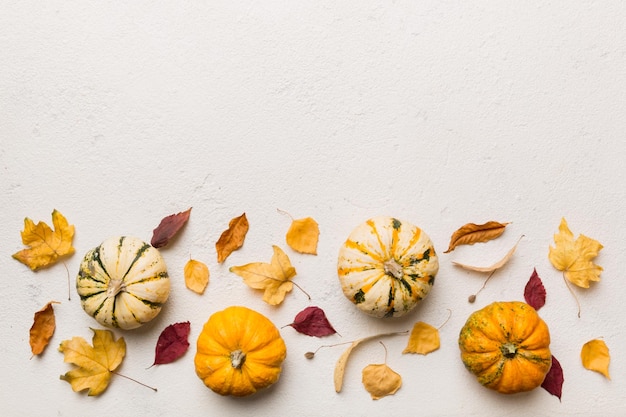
(424, 339)
(196, 276)
(595, 357)
(303, 235)
(493, 267)
(380, 380)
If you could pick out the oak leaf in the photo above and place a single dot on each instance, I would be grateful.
(45, 245)
(303, 235)
(172, 344)
(553, 383)
(595, 357)
(232, 238)
(168, 227)
(273, 278)
(196, 276)
(312, 321)
(535, 292)
(423, 339)
(44, 324)
(380, 380)
(574, 257)
(94, 363)
(475, 233)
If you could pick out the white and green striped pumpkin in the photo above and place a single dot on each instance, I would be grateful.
(386, 266)
(123, 282)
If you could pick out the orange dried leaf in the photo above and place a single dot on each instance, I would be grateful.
(45, 245)
(595, 357)
(475, 233)
(424, 339)
(232, 238)
(303, 235)
(273, 278)
(43, 327)
(380, 380)
(196, 276)
(574, 257)
(94, 363)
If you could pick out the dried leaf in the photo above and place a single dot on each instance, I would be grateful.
(168, 228)
(312, 321)
(424, 339)
(553, 383)
(595, 357)
(380, 380)
(46, 245)
(196, 276)
(535, 292)
(475, 233)
(340, 366)
(43, 327)
(232, 238)
(172, 344)
(94, 363)
(303, 235)
(574, 257)
(493, 267)
(273, 278)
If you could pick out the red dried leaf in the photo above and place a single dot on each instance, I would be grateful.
(172, 343)
(554, 379)
(535, 292)
(168, 227)
(312, 321)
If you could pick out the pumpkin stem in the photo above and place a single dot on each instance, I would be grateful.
(393, 268)
(237, 358)
(509, 350)
(115, 286)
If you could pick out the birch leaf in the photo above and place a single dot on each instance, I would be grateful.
(474, 233)
(493, 267)
(196, 276)
(44, 324)
(380, 380)
(232, 238)
(424, 339)
(303, 235)
(595, 357)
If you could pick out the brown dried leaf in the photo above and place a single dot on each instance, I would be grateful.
(493, 267)
(474, 233)
(196, 276)
(43, 328)
(232, 238)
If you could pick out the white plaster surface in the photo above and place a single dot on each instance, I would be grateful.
(436, 112)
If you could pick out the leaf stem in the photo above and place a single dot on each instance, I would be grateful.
(301, 289)
(448, 319)
(472, 297)
(572, 292)
(134, 380)
(69, 287)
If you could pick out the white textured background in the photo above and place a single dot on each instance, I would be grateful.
(436, 112)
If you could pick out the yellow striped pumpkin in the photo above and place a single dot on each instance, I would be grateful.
(386, 266)
(123, 282)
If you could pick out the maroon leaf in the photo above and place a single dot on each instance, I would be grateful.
(554, 379)
(168, 227)
(172, 343)
(312, 321)
(535, 292)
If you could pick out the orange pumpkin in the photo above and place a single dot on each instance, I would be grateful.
(239, 351)
(506, 346)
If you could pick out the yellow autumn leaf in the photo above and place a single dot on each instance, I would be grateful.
(94, 363)
(380, 380)
(595, 357)
(273, 278)
(303, 235)
(196, 276)
(574, 257)
(424, 339)
(45, 245)
(232, 238)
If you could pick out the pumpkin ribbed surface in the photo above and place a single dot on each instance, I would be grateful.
(239, 351)
(506, 345)
(123, 282)
(386, 266)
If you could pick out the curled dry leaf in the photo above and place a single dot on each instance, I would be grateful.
(424, 339)
(172, 344)
(535, 292)
(43, 327)
(46, 246)
(474, 233)
(595, 357)
(553, 383)
(168, 228)
(273, 278)
(232, 238)
(196, 276)
(303, 235)
(574, 257)
(94, 363)
(380, 380)
(312, 321)
(493, 267)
